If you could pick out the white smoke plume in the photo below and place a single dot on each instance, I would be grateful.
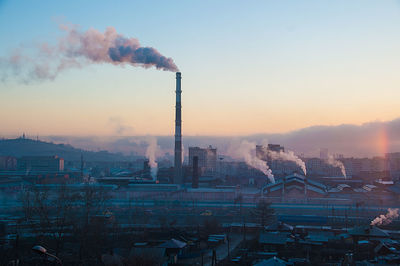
(118, 125)
(288, 156)
(79, 48)
(387, 218)
(245, 150)
(336, 163)
(151, 153)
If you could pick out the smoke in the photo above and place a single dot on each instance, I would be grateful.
(151, 151)
(336, 163)
(79, 48)
(387, 218)
(288, 156)
(246, 151)
(117, 124)
(282, 155)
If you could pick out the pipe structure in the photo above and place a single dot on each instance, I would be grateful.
(43, 251)
(195, 175)
(178, 132)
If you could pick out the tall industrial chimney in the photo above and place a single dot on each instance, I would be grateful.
(178, 132)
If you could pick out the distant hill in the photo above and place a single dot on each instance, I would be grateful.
(28, 147)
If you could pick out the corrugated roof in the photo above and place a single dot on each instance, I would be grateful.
(371, 231)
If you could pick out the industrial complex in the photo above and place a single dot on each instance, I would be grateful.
(207, 208)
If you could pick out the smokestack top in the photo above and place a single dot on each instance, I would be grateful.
(178, 74)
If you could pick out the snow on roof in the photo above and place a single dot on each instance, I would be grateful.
(274, 261)
(173, 243)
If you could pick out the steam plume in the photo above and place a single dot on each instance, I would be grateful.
(246, 150)
(151, 151)
(288, 156)
(387, 218)
(336, 163)
(118, 125)
(78, 48)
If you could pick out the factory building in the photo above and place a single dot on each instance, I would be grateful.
(295, 186)
(393, 164)
(324, 154)
(207, 159)
(8, 163)
(41, 163)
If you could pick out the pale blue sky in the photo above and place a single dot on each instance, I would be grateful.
(247, 66)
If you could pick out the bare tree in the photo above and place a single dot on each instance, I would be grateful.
(50, 215)
(263, 212)
(239, 199)
(93, 233)
(64, 204)
(94, 199)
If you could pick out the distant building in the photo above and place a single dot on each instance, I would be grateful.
(393, 164)
(366, 168)
(8, 163)
(41, 163)
(262, 151)
(207, 159)
(317, 167)
(165, 174)
(338, 156)
(324, 154)
(276, 148)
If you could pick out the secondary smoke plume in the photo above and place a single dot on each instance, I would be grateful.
(151, 151)
(246, 150)
(288, 156)
(78, 48)
(387, 218)
(336, 163)
(118, 126)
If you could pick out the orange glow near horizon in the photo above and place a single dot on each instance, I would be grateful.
(383, 141)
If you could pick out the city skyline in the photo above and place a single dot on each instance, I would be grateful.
(313, 64)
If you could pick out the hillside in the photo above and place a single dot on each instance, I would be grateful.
(28, 147)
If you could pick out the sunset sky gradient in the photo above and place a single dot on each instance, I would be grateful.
(247, 67)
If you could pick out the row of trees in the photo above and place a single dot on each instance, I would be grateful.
(79, 215)
(63, 212)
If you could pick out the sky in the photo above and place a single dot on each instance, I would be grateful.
(248, 67)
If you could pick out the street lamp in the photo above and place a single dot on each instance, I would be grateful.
(43, 251)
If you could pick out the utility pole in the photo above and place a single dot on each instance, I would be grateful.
(229, 253)
(214, 258)
(81, 165)
(244, 228)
